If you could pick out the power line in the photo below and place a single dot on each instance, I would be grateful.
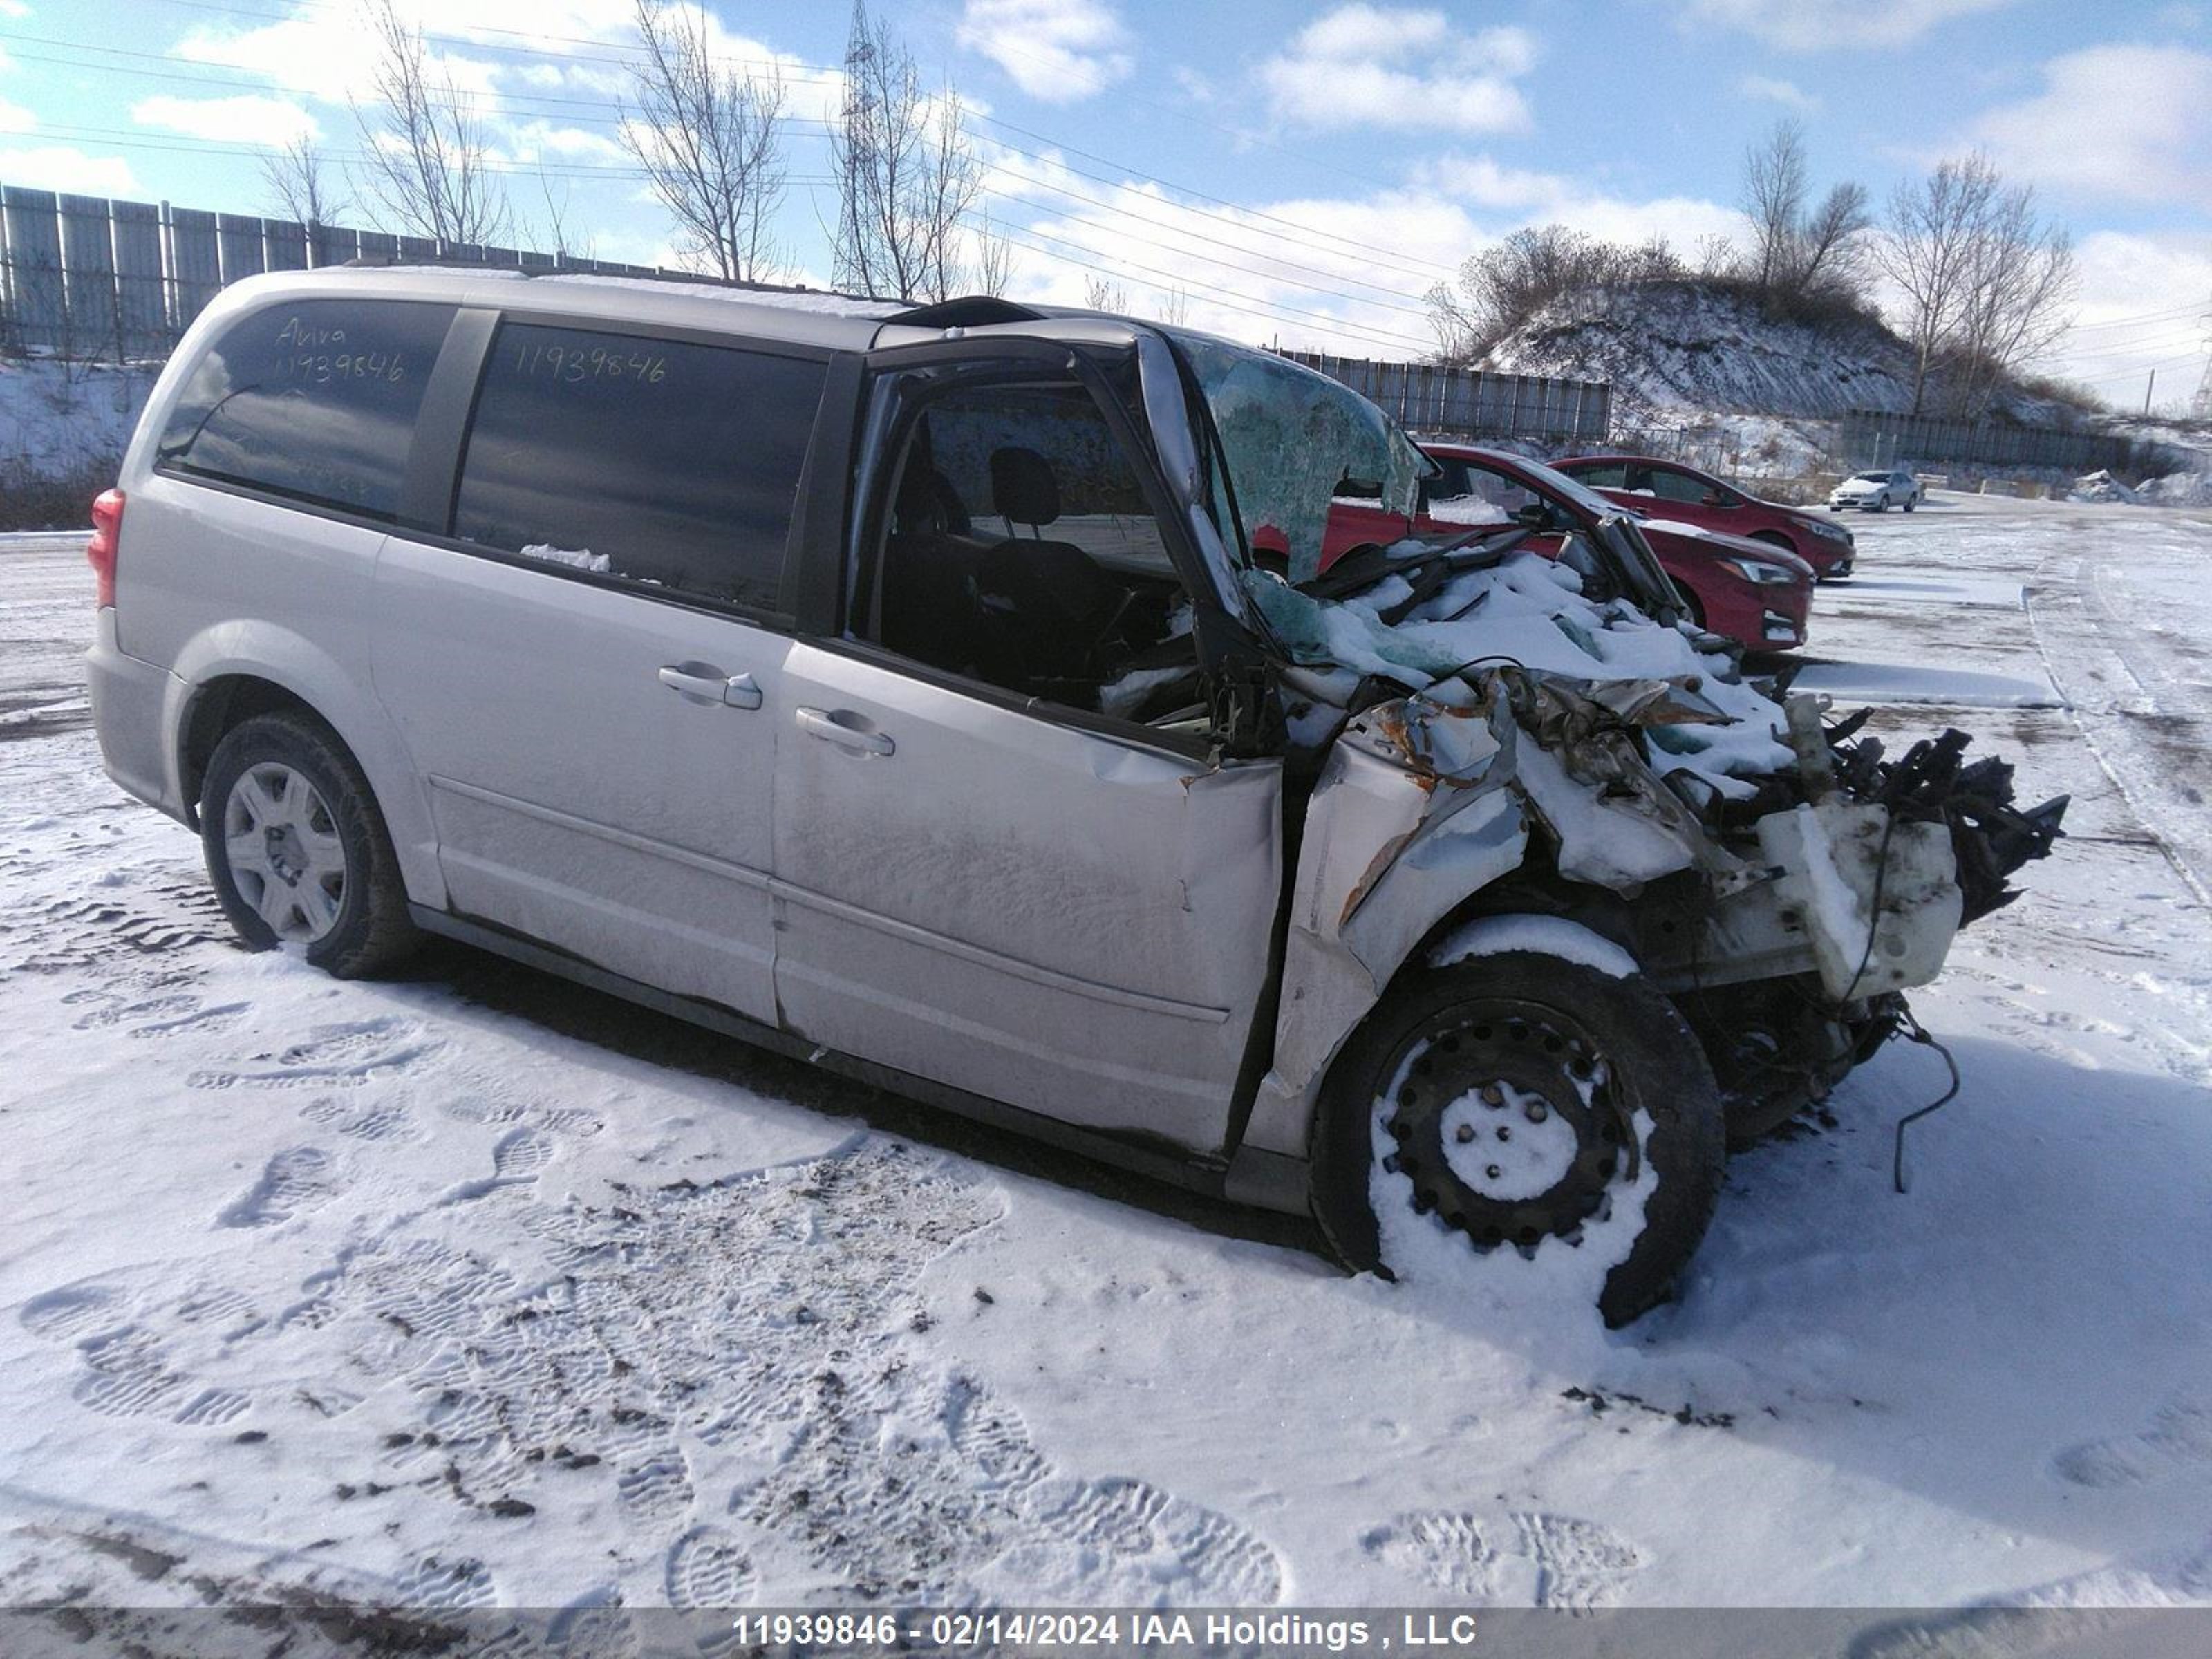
(186, 146)
(2129, 322)
(1393, 298)
(1267, 310)
(826, 73)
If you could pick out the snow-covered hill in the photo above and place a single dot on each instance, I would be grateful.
(1693, 346)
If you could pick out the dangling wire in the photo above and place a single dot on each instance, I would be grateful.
(1914, 1032)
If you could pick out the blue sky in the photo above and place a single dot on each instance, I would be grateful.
(1297, 169)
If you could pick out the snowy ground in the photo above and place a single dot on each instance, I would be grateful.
(473, 1288)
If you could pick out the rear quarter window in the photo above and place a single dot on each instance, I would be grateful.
(667, 464)
(314, 402)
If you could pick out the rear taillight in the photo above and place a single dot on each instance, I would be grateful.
(106, 531)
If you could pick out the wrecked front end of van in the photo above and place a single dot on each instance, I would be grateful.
(1541, 804)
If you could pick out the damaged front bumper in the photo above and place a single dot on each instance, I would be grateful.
(1841, 881)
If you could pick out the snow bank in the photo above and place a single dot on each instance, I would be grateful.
(1670, 348)
(57, 417)
(1528, 609)
(2176, 489)
(2099, 486)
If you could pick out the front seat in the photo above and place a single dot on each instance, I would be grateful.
(1049, 608)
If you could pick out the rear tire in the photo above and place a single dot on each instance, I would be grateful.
(1501, 1040)
(297, 850)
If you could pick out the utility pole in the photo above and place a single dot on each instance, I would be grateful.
(2147, 391)
(2200, 406)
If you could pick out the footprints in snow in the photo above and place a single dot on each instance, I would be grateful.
(1448, 1550)
(2177, 1439)
(344, 1056)
(708, 1569)
(1576, 1565)
(75, 932)
(298, 1178)
(521, 1154)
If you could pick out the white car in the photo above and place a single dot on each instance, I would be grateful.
(1877, 492)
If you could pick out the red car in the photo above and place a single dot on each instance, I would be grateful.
(1669, 489)
(1749, 592)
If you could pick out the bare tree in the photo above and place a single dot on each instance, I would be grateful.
(1174, 309)
(1775, 184)
(707, 138)
(1803, 256)
(2022, 281)
(293, 177)
(1985, 283)
(1100, 294)
(906, 174)
(994, 257)
(1830, 254)
(427, 162)
(556, 220)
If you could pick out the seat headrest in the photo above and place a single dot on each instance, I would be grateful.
(1023, 488)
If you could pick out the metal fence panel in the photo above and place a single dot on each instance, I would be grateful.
(38, 312)
(1440, 398)
(88, 275)
(1873, 438)
(239, 236)
(332, 244)
(195, 264)
(286, 240)
(141, 291)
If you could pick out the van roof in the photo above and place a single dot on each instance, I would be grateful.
(841, 322)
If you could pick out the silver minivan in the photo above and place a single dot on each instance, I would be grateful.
(895, 687)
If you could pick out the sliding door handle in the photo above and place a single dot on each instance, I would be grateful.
(699, 681)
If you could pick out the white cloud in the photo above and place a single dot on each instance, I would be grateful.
(1332, 273)
(1058, 51)
(1363, 65)
(14, 11)
(14, 117)
(248, 117)
(2120, 120)
(2128, 277)
(535, 140)
(1482, 181)
(1832, 25)
(1775, 90)
(64, 167)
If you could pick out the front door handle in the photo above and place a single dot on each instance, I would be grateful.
(699, 681)
(820, 723)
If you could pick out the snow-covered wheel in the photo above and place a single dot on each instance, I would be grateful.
(1517, 1099)
(297, 850)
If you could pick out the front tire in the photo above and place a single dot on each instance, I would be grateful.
(297, 850)
(1599, 1073)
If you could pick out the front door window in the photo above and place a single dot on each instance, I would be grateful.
(1020, 551)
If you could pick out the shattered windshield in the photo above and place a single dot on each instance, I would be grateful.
(1290, 437)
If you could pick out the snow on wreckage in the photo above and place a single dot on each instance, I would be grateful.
(1579, 905)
